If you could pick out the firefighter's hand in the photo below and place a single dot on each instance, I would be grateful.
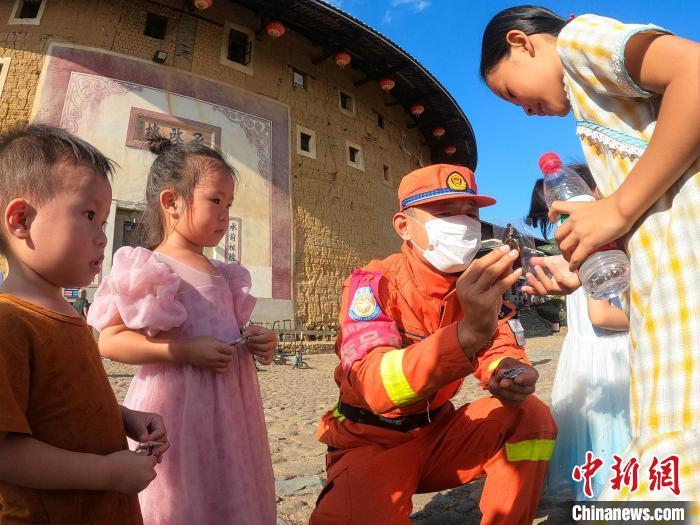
(479, 291)
(512, 391)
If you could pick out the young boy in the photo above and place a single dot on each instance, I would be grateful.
(63, 449)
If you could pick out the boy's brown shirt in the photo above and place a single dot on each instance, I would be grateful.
(54, 388)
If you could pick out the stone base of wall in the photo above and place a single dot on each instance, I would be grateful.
(312, 347)
(533, 324)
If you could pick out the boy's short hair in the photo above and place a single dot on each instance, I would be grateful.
(27, 153)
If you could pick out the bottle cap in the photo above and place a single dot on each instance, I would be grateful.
(550, 163)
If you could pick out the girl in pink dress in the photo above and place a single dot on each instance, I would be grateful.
(179, 314)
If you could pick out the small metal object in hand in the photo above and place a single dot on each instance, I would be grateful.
(241, 340)
(512, 373)
(512, 238)
(149, 446)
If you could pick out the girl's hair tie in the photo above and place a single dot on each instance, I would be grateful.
(571, 16)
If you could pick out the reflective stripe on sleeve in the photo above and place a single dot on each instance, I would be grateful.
(394, 380)
(494, 364)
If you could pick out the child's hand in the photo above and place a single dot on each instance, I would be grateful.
(262, 342)
(513, 391)
(562, 282)
(127, 471)
(204, 352)
(589, 226)
(144, 427)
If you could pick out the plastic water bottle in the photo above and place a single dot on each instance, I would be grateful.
(605, 272)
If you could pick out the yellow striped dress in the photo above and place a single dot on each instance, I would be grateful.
(615, 121)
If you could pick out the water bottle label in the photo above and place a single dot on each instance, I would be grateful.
(577, 198)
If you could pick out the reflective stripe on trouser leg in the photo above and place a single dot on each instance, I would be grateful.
(530, 450)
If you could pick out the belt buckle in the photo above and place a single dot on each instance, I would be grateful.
(395, 422)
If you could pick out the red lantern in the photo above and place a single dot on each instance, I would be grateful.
(387, 84)
(342, 59)
(275, 28)
(203, 4)
(450, 150)
(417, 110)
(438, 132)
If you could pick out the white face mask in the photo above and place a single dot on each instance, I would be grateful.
(453, 240)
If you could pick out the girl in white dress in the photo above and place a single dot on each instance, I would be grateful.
(590, 394)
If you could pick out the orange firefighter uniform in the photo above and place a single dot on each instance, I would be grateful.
(394, 431)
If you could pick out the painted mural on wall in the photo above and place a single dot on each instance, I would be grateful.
(115, 102)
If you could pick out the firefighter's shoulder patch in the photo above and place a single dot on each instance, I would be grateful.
(364, 305)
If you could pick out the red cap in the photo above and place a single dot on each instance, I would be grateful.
(440, 182)
(550, 163)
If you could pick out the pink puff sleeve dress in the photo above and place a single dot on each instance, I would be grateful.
(218, 469)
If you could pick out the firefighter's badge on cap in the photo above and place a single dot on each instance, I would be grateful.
(439, 182)
(364, 306)
(456, 181)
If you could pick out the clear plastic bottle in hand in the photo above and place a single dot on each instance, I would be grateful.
(605, 272)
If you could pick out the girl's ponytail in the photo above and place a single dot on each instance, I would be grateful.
(530, 19)
(538, 216)
(158, 144)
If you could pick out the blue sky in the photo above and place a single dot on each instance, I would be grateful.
(445, 36)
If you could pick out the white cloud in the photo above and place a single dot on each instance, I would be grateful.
(416, 5)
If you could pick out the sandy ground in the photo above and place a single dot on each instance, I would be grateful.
(295, 399)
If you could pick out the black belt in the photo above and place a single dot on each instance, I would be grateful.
(400, 424)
